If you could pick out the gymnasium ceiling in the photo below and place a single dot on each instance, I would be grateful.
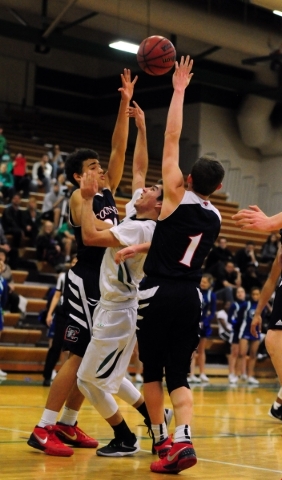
(219, 34)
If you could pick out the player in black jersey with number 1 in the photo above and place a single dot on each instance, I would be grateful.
(170, 306)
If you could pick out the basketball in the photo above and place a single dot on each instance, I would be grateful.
(156, 55)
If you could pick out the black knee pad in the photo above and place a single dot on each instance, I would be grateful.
(152, 374)
(175, 379)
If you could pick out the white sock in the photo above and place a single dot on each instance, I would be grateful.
(48, 418)
(276, 405)
(69, 416)
(182, 434)
(160, 432)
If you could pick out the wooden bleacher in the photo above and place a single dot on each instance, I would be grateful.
(28, 133)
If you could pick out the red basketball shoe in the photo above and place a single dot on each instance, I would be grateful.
(178, 458)
(45, 439)
(75, 436)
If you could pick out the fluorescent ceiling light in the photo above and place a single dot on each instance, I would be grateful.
(125, 46)
(277, 12)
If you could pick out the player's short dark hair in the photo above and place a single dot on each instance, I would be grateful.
(207, 173)
(75, 160)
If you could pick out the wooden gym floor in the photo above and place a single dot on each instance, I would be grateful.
(233, 436)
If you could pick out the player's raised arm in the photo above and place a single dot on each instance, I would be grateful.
(120, 134)
(140, 156)
(171, 173)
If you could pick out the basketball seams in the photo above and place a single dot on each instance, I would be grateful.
(156, 55)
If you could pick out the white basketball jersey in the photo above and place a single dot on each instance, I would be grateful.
(119, 283)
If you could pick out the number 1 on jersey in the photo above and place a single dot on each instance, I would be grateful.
(189, 254)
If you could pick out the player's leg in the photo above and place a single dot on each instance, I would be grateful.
(253, 350)
(273, 343)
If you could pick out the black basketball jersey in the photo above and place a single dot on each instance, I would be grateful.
(105, 209)
(182, 241)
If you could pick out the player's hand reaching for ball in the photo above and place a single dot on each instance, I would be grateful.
(127, 85)
(182, 74)
(137, 113)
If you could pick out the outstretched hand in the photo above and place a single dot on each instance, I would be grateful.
(127, 87)
(88, 185)
(182, 75)
(124, 253)
(252, 218)
(137, 113)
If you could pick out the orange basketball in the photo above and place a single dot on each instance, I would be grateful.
(156, 55)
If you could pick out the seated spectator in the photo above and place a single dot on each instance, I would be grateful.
(48, 247)
(12, 220)
(218, 255)
(41, 175)
(251, 279)
(6, 184)
(56, 161)
(13, 298)
(246, 256)
(227, 280)
(67, 237)
(31, 220)
(3, 143)
(21, 178)
(269, 249)
(51, 208)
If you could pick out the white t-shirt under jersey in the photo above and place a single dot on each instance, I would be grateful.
(119, 283)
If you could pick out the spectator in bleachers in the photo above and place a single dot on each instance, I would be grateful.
(246, 256)
(3, 143)
(269, 249)
(227, 280)
(67, 237)
(217, 257)
(208, 313)
(21, 178)
(235, 317)
(51, 208)
(251, 279)
(41, 175)
(6, 184)
(11, 253)
(12, 220)
(56, 160)
(3, 294)
(31, 220)
(48, 247)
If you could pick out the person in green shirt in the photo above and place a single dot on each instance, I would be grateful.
(3, 143)
(6, 183)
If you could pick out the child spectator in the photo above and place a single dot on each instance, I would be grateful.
(247, 341)
(235, 320)
(208, 314)
(31, 220)
(269, 249)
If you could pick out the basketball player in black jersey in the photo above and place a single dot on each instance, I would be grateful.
(82, 287)
(170, 306)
